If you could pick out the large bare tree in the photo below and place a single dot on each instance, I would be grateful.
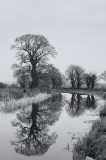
(33, 51)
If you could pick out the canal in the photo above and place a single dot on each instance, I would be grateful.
(47, 130)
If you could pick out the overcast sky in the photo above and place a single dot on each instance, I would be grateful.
(76, 28)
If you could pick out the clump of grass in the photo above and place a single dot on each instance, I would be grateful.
(93, 144)
(79, 150)
(12, 104)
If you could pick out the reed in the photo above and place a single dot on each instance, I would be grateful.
(14, 104)
(11, 93)
(93, 143)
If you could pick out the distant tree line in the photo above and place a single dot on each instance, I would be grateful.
(33, 68)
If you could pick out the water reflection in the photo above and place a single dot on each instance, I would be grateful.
(90, 102)
(78, 104)
(32, 136)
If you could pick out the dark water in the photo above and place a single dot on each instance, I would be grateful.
(47, 130)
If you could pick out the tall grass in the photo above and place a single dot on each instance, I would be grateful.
(12, 99)
(103, 111)
(9, 93)
(17, 93)
(12, 104)
(93, 144)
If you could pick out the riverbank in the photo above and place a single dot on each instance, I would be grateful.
(93, 144)
(14, 98)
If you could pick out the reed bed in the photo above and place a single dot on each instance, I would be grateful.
(93, 143)
(11, 104)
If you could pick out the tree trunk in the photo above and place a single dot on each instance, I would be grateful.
(78, 83)
(92, 85)
(34, 77)
(72, 83)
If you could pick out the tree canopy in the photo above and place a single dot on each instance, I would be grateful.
(32, 51)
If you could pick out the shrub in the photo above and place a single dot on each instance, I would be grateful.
(3, 85)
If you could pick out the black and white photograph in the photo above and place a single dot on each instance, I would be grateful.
(52, 79)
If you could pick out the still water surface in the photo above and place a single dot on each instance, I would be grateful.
(47, 130)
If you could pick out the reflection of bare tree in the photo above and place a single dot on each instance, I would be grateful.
(33, 122)
(90, 102)
(76, 105)
(79, 104)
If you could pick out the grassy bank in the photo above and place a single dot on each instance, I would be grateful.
(12, 104)
(10, 93)
(12, 99)
(93, 144)
(18, 93)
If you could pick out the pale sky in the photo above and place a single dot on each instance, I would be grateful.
(76, 28)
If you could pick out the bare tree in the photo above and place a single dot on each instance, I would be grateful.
(75, 74)
(90, 80)
(33, 51)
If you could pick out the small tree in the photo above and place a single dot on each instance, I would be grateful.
(53, 76)
(75, 74)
